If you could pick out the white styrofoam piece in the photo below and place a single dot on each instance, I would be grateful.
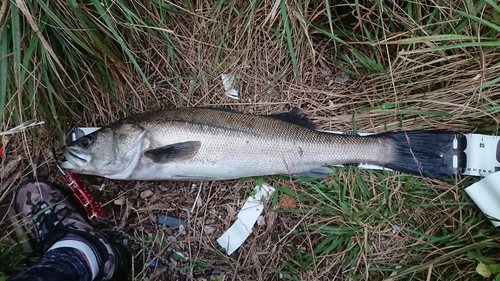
(234, 237)
(228, 83)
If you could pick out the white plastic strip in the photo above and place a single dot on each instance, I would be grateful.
(234, 237)
(482, 155)
(486, 194)
(79, 132)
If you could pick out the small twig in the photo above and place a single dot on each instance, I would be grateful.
(157, 273)
(197, 197)
(125, 215)
(9, 172)
(21, 127)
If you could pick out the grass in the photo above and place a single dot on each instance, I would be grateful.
(378, 223)
(411, 65)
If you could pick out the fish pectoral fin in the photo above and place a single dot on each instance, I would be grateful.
(173, 152)
(319, 172)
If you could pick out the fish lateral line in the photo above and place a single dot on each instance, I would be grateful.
(221, 127)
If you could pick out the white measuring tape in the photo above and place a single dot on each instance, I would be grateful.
(481, 152)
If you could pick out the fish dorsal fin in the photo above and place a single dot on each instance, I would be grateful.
(296, 117)
(173, 152)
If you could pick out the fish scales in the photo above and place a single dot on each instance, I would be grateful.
(236, 145)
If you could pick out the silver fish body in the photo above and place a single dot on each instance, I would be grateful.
(212, 144)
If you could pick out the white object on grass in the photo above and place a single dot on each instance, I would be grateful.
(486, 194)
(79, 132)
(228, 82)
(234, 237)
(483, 155)
(21, 128)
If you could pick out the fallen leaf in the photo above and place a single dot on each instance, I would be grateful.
(287, 202)
(119, 201)
(261, 221)
(209, 229)
(231, 213)
(271, 219)
(483, 270)
(146, 194)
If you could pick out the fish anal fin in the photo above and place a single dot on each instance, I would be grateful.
(319, 172)
(173, 152)
(297, 117)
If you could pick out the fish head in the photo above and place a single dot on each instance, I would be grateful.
(111, 152)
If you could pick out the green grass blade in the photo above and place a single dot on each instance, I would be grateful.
(467, 45)
(480, 20)
(60, 23)
(4, 69)
(329, 15)
(98, 6)
(489, 83)
(494, 5)
(328, 34)
(16, 44)
(432, 38)
(289, 41)
(52, 110)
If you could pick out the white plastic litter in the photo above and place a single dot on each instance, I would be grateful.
(234, 237)
(486, 194)
(228, 82)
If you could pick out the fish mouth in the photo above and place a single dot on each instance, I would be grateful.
(74, 160)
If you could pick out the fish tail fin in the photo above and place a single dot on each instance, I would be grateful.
(435, 154)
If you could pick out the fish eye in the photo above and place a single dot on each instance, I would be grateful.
(85, 141)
